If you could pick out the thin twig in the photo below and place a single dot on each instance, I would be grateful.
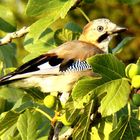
(10, 36)
(83, 13)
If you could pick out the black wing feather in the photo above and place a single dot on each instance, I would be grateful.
(31, 66)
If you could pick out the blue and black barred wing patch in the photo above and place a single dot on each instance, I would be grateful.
(73, 66)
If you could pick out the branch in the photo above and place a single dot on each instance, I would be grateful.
(10, 36)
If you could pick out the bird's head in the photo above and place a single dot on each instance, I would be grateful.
(100, 33)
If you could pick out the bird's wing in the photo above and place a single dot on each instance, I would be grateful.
(55, 62)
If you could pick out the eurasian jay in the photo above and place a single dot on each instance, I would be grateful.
(59, 68)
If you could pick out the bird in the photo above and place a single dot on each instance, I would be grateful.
(59, 69)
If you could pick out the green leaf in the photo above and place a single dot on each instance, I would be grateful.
(117, 90)
(63, 35)
(8, 55)
(126, 129)
(23, 103)
(2, 104)
(54, 9)
(27, 126)
(84, 86)
(42, 45)
(122, 44)
(7, 20)
(138, 61)
(73, 27)
(108, 66)
(7, 93)
(71, 111)
(101, 130)
(35, 7)
(7, 120)
(82, 126)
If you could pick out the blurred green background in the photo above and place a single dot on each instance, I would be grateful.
(118, 11)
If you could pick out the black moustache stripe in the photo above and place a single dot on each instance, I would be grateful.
(102, 37)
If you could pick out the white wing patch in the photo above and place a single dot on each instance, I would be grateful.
(44, 69)
(47, 69)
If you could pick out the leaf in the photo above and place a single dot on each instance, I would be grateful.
(7, 93)
(117, 90)
(23, 103)
(71, 111)
(73, 27)
(27, 126)
(108, 66)
(82, 126)
(122, 44)
(138, 61)
(84, 86)
(54, 10)
(8, 55)
(7, 20)
(63, 35)
(126, 129)
(35, 7)
(101, 130)
(7, 120)
(2, 104)
(10, 134)
(42, 45)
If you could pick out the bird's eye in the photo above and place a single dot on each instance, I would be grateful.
(100, 28)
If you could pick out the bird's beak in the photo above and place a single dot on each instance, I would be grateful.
(119, 29)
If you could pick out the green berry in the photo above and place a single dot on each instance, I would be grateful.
(136, 99)
(50, 101)
(136, 81)
(132, 70)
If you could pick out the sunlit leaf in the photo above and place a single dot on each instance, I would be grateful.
(101, 130)
(117, 90)
(27, 126)
(40, 46)
(63, 35)
(37, 7)
(54, 10)
(7, 19)
(108, 66)
(7, 93)
(7, 120)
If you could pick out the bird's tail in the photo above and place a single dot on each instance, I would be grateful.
(7, 79)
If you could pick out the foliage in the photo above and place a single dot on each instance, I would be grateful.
(98, 107)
